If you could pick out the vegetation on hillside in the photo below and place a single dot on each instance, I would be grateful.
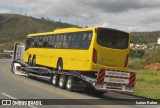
(147, 57)
(15, 28)
(144, 37)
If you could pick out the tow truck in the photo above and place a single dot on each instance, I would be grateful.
(104, 81)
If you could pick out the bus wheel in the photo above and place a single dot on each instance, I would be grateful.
(54, 80)
(59, 65)
(62, 81)
(30, 60)
(69, 83)
(34, 61)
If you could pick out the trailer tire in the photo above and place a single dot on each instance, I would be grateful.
(69, 83)
(29, 76)
(62, 81)
(59, 65)
(54, 80)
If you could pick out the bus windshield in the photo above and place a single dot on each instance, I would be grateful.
(112, 38)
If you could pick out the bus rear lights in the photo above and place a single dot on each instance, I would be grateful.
(94, 55)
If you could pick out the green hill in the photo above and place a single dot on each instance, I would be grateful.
(145, 37)
(14, 28)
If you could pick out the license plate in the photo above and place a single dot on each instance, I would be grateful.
(116, 80)
(118, 74)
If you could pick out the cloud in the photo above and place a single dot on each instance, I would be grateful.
(4, 11)
(123, 14)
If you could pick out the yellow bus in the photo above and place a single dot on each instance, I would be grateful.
(79, 49)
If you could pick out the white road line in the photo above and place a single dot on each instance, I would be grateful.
(8, 95)
(16, 98)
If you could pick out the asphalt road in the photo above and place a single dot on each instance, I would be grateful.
(21, 87)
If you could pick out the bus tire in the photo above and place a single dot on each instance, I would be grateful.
(54, 80)
(62, 81)
(59, 65)
(34, 61)
(69, 83)
(30, 60)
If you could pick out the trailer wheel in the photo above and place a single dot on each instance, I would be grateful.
(62, 81)
(29, 76)
(54, 80)
(69, 83)
(59, 65)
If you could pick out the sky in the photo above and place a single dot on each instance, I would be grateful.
(127, 15)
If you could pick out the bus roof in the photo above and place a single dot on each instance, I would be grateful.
(64, 30)
(70, 30)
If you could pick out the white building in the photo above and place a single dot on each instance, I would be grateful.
(158, 41)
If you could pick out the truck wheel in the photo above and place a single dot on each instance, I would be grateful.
(34, 61)
(12, 68)
(62, 81)
(60, 65)
(69, 83)
(54, 80)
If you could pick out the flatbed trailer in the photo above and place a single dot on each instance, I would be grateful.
(105, 80)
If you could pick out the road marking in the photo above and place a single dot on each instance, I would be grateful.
(16, 98)
(8, 95)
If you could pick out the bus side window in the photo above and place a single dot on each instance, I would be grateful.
(58, 42)
(65, 43)
(36, 41)
(51, 40)
(86, 40)
(69, 37)
(89, 36)
(45, 41)
(75, 43)
(80, 36)
(28, 43)
(40, 43)
(85, 37)
(32, 42)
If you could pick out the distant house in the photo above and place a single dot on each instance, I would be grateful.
(158, 41)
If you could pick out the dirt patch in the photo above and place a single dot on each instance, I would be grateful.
(155, 67)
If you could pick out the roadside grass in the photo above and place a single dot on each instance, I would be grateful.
(147, 84)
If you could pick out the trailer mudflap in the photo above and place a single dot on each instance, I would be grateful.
(115, 81)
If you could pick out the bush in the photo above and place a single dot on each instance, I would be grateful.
(136, 65)
(152, 56)
(137, 53)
